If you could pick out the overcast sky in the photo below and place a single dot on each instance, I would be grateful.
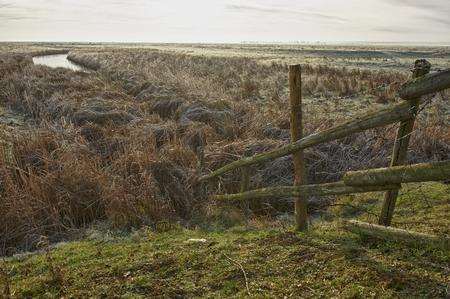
(225, 20)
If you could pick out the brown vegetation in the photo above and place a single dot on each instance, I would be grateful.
(126, 143)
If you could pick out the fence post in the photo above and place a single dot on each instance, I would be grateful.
(245, 178)
(399, 155)
(295, 86)
(245, 186)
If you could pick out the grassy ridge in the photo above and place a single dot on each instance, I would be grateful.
(326, 261)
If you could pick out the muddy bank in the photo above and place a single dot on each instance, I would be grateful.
(84, 61)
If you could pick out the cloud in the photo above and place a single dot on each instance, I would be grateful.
(20, 11)
(12, 12)
(426, 7)
(226, 20)
(440, 20)
(4, 4)
(394, 30)
(12, 17)
(431, 11)
(283, 11)
(391, 29)
(435, 5)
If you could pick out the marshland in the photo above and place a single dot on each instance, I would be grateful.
(101, 152)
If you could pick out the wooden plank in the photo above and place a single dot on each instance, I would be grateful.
(338, 188)
(400, 151)
(400, 112)
(424, 172)
(395, 234)
(296, 122)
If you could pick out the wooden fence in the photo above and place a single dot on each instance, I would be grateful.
(385, 179)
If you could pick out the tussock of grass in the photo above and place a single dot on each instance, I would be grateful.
(326, 261)
(125, 144)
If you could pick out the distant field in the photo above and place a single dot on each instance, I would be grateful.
(372, 56)
(388, 57)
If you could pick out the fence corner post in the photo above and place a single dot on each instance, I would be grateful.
(296, 119)
(399, 154)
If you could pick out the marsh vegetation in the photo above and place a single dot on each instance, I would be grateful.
(125, 143)
(122, 145)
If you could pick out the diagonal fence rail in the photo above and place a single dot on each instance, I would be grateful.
(382, 117)
(387, 179)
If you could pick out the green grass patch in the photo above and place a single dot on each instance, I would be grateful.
(324, 262)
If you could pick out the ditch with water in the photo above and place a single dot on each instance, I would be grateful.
(58, 60)
(13, 119)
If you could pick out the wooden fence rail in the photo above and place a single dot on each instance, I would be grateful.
(338, 188)
(425, 85)
(434, 82)
(424, 172)
(381, 179)
(372, 180)
(372, 120)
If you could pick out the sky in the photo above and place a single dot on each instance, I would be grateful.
(217, 21)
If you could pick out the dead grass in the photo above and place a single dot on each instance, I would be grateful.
(124, 144)
(231, 78)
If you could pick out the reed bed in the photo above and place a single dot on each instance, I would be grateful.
(124, 144)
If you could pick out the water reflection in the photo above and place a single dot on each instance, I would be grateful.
(59, 60)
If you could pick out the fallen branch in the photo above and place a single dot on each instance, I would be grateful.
(396, 234)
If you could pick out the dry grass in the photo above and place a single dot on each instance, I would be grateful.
(125, 144)
(233, 78)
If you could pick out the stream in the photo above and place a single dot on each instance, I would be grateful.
(12, 119)
(58, 60)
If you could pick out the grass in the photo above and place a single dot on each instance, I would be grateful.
(124, 144)
(110, 159)
(367, 56)
(323, 262)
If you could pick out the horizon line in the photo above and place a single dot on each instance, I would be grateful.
(342, 42)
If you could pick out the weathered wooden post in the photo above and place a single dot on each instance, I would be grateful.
(399, 155)
(245, 186)
(295, 86)
(245, 179)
